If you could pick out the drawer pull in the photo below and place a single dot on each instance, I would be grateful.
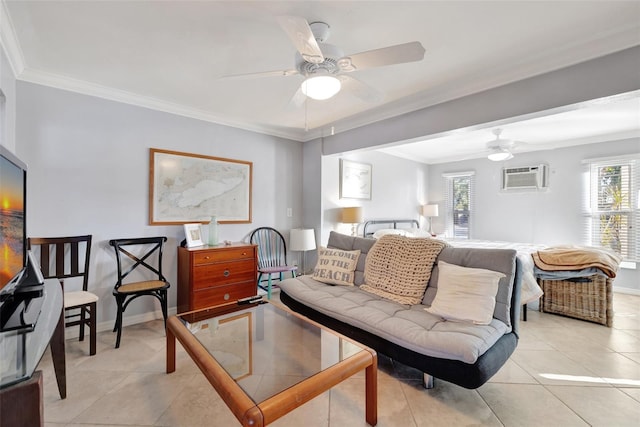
(206, 257)
(226, 297)
(244, 253)
(226, 273)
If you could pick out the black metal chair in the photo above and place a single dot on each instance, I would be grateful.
(272, 255)
(66, 258)
(137, 255)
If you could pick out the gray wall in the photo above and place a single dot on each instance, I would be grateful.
(598, 78)
(89, 173)
(8, 109)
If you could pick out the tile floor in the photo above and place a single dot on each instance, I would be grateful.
(565, 372)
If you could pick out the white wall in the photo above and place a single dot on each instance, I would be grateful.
(398, 189)
(89, 173)
(551, 217)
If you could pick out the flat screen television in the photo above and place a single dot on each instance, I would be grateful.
(19, 272)
(13, 227)
(21, 281)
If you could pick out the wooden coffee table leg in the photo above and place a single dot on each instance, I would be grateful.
(171, 351)
(371, 392)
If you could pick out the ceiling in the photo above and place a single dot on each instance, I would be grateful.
(610, 119)
(172, 55)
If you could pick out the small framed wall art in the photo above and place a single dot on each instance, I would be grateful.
(355, 180)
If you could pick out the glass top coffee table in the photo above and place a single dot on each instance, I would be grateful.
(265, 361)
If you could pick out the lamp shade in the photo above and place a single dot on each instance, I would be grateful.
(352, 215)
(302, 239)
(429, 210)
(321, 87)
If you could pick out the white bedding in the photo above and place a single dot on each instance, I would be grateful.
(530, 290)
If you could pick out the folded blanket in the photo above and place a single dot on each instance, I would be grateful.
(563, 258)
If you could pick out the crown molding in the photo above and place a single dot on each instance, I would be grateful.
(105, 92)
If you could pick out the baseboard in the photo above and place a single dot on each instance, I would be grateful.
(623, 290)
(74, 331)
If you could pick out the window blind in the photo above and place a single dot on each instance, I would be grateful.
(459, 202)
(613, 216)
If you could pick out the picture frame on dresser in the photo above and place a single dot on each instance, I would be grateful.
(193, 234)
(185, 188)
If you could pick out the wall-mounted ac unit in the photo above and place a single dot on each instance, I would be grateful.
(523, 178)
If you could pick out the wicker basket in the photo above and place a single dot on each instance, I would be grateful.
(587, 298)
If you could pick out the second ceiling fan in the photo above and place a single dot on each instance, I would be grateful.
(326, 68)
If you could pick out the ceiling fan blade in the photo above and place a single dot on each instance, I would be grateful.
(299, 32)
(278, 73)
(298, 98)
(398, 54)
(360, 89)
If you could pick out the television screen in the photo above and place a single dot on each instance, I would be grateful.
(12, 218)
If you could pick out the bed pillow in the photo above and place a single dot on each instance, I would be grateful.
(465, 294)
(394, 231)
(335, 266)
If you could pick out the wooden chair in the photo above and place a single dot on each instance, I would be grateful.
(66, 258)
(272, 255)
(144, 257)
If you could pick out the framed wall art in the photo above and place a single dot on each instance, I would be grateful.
(355, 180)
(187, 188)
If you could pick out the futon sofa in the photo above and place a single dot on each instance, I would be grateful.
(459, 352)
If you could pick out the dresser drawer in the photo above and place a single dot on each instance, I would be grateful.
(210, 275)
(222, 255)
(223, 294)
(214, 275)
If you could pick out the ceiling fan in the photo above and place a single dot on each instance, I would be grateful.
(500, 149)
(326, 68)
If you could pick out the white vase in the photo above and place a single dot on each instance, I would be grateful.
(213, 231)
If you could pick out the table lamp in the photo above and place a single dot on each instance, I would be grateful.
(353, 216)
(429, 211)
(303, 240)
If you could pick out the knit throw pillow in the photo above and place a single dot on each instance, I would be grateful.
(398, 268)
(335, 266)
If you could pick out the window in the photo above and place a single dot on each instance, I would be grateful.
(613, 209)
(459, 203)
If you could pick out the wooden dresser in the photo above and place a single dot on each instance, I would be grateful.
(213, 275)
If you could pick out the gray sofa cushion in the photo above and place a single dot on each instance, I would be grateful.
(408, 326)
(350, 243)
(502, 260)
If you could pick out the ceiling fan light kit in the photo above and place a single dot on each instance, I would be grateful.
(500, 148)
(325, 66)
(500, 155)
(321, 87)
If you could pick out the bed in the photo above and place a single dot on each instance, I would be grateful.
(582, 293)
(531, 291)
